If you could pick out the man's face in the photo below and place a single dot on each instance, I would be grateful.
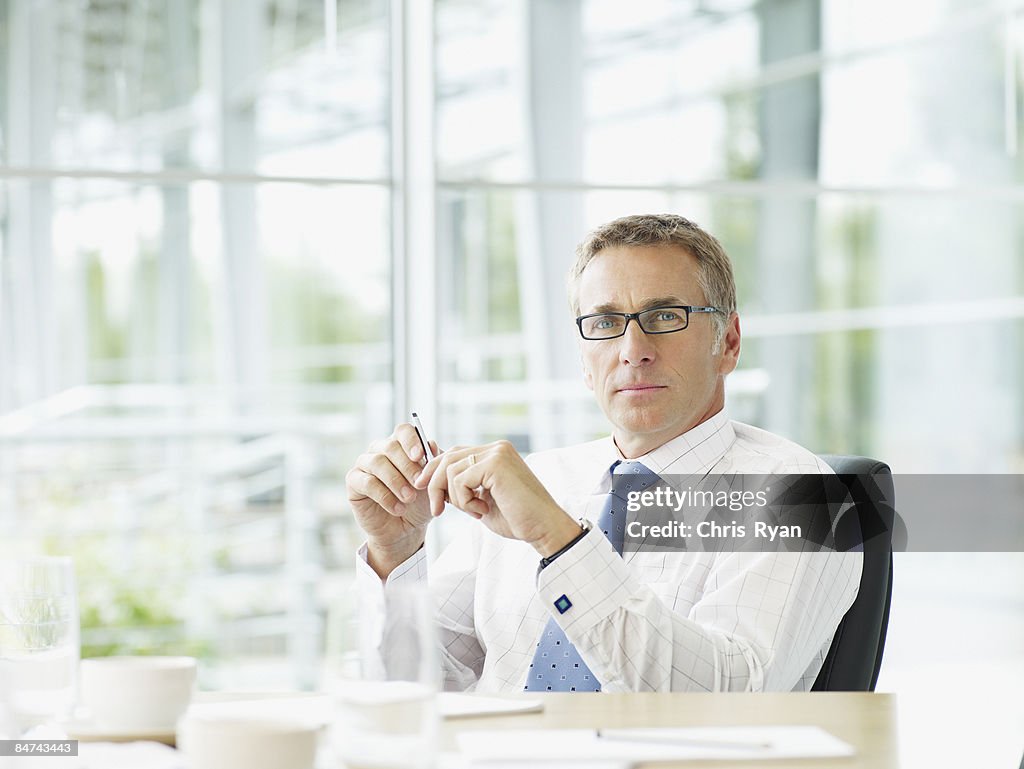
(653, 387)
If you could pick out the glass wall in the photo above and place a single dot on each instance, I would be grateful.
(218, 219)
(861, 164)
(873, 232)
(195, 317)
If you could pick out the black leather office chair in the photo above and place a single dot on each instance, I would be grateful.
(855, 655)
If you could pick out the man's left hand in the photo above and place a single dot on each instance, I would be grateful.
(493, 484)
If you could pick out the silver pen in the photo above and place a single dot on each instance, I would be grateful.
(422, 435)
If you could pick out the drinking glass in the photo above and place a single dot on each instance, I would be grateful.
(38, 640)
(384, 677)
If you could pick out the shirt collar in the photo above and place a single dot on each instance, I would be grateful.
(695, 451)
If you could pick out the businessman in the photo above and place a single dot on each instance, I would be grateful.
(539, 595)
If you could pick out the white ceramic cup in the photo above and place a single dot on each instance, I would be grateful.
(137, 693)
(247, 742)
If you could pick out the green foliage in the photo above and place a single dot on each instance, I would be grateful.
(503, 280)
(742, 141)
(131, 611)
(133, 620)
(106, 337)
(308, 311)
(846, 361)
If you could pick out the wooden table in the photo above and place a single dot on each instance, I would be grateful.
(866, 721)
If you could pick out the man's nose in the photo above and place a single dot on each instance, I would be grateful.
(637, 347)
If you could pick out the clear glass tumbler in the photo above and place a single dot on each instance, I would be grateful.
(384, 675)
(39, 640)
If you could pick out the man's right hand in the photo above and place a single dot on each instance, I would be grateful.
(387, 507)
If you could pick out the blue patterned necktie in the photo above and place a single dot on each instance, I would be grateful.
(557, 666)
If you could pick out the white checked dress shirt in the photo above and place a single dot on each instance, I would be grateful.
(648, 621)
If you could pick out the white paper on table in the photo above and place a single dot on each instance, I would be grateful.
(562, 764)
(455, 705)
(652, 744)
(458, 761)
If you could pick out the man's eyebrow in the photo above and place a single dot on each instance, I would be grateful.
(658, 301)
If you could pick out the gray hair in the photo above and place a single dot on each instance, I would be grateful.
(714, 269)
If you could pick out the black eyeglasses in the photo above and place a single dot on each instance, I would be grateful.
(657, 320)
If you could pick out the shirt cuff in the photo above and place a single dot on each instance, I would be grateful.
(371, 591)
(584, 585)
(412, 569)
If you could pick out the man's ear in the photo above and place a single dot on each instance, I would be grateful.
(730, 352)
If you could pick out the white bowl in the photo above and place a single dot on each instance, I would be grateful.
(247, 742)
(137, 692)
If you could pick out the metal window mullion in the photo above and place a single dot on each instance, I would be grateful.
(414, 265)
(32, 340)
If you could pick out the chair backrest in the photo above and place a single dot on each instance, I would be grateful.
(855, 655)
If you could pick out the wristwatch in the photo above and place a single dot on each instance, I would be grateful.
(585, 525)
